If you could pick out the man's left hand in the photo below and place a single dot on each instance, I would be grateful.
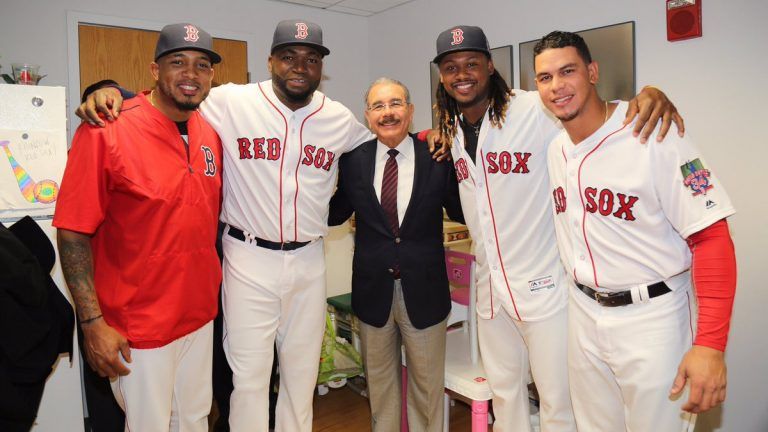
(704, 369)
(649, 106)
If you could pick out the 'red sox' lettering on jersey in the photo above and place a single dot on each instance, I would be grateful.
(462, 172)
(318, 157)
(506, 162)
(603, 202)
(558, 195)
(259, 148)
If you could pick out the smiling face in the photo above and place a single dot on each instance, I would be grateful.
(388, 113)
(565, 82)
(465, 77)
(183, 81)
(296, 71)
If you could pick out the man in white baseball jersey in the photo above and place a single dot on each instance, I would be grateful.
(281, 140)
(636, 225)
(499, 140)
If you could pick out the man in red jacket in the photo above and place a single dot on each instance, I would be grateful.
(137, 216)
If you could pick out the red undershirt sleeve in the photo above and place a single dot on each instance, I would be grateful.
(714, 279)
(422, 136)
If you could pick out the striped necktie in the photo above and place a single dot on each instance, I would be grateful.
(389, 192)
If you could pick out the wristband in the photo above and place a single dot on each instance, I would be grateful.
(89, 320)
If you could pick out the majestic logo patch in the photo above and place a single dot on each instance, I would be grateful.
(710, 204)
(539, 284)
(458, 36)
(192, 33)
(302, 31)
(210, 161)
(696, 177)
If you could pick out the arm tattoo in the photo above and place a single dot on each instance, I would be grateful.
(77, 265)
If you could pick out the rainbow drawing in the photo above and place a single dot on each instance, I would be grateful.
(44, 192)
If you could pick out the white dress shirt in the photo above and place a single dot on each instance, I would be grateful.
(405, 171)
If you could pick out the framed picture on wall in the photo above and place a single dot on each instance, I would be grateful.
(613, 47)
(502, 60)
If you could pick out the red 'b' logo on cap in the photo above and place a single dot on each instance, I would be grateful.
(192, 33)
(301, 31)
(458, 36)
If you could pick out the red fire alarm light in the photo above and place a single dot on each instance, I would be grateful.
(683, 19)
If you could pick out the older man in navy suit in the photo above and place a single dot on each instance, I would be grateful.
(399, 284)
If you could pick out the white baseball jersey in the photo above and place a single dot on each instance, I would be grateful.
(505, 198)
(279, 165)
(623, 209)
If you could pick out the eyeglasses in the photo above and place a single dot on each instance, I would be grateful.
(394, 105)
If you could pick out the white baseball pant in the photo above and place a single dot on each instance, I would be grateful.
(623, 361)
(169, 388)
(273, 296)
(506, 346)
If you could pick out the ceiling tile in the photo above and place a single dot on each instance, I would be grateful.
(354, 7)
(349, 10)
(372, 5)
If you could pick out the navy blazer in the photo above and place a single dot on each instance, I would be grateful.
(419, 249)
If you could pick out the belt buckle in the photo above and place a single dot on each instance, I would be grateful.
(604, 298)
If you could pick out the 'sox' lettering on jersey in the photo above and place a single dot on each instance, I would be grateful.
(319, 157)
(502, 162)
(558, 195)
(302, 30)
(603, 203)
(272, 151)
(462, 172)
(210, 161)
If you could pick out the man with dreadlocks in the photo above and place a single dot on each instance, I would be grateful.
(499, 140)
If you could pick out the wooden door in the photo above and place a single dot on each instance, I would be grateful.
(124, 55)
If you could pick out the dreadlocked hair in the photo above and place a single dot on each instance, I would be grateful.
(447, 109)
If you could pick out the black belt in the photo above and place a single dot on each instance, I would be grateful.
(287, 246)
(621, 298)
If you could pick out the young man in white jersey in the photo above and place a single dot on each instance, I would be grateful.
(499, 141)
(637, 226)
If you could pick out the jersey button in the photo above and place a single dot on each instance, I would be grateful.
(582, 257)
(495, 267)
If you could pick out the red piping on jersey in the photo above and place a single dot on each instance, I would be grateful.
(298, 165)
(584, 208)
(496, 236)
(490, 290)
(690, 315)
(282, 159)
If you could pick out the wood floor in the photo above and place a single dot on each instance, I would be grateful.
(343, 410)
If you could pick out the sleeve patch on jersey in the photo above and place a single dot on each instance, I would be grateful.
(696, 177)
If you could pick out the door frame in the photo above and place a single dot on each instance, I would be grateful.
(74, 19)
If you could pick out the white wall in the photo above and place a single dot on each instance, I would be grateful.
(718, 83)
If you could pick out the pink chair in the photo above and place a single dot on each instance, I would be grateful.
(464, 372)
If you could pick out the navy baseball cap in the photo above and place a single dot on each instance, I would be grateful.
(461, 38)
(299, 32)
(184, 36)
